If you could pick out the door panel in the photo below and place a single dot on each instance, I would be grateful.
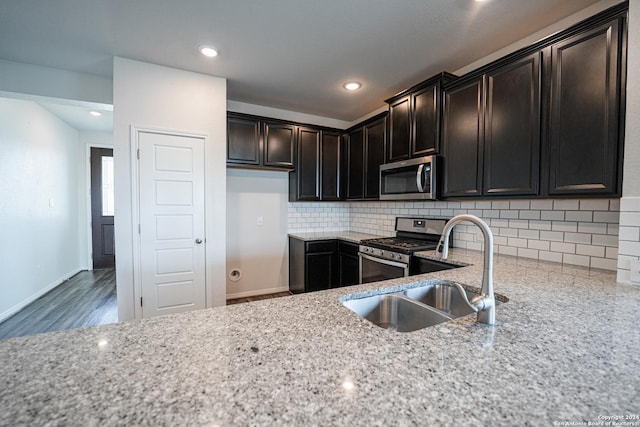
(171, 223)
(102, 231)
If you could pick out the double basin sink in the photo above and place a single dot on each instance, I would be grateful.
(413, 308)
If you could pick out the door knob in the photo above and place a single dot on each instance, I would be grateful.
(198, 241)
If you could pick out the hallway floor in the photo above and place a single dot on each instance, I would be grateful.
(86, 299)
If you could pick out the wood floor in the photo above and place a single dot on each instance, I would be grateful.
(257, 298)
(86, 299)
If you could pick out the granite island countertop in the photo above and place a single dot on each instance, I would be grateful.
(566, 348)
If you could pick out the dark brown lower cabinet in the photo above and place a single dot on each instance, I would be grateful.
(313, 266)
(349, 264)
(322, 264)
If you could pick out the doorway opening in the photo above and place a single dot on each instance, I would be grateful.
(102, 208)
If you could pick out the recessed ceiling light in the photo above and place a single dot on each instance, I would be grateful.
(209, 51)
(352, 85)
(95, 113)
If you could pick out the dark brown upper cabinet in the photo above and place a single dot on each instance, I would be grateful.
(253, 142)
(512, 128)
(375, 136)
(243, 140)
(331, 157)
(318, 171)
(355, 163)
(279, 144)
(545, 121)
(366, 144)
(585, 120)
(463, 140)
(414, 120)
(492, 132)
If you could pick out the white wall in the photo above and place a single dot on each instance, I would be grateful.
(39, 215)
(277, 113)
(630, 204)
(31, 79)
(152, 96)
(259, 251)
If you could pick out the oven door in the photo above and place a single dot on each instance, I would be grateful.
(374, 269)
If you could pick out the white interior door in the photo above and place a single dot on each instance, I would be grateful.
(172, 223)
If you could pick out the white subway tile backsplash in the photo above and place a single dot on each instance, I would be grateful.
(629, 233)
(592, 228)
(585, 216)
(581, 260)
(594, 251)
(568, 248)
(607, 217)
(519, 204)
(528, 253)
(508, 214)
(604, 240)
(540, 225)
(542, 204)
(517, 243)
(566, 205)
(538, 229)
(530, 215)
(556, 236)
(594, 205)
(552, 215)
(500, 204)
(540, 245)
(564, 226)
(550, 256)
(577, 238)
(529, 234)
(604, 263)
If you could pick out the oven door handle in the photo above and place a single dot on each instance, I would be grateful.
(419, 178)
(384, 261)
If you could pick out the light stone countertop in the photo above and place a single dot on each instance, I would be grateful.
(566, 348)
(349, 236)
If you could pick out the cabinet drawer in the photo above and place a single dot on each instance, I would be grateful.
(321, 246)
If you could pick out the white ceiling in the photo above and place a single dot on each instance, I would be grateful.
(79, 117)
(289, 54)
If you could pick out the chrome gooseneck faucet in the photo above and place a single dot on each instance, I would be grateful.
(485, 304)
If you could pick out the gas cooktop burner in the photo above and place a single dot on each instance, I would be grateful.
(400, 244)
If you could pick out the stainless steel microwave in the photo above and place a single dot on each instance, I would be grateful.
(413, 179)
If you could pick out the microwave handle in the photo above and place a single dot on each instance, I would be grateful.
(419, 178)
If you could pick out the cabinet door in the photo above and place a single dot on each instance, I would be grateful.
(330, 160)
(426, 122)
(320, 271)
(462, 143)
(349, 264)
(399, 129)
(243, 140)
(355, 164)
(512, 128)
(584, 118)
(375, 142)
(307, 170)
(279, 145)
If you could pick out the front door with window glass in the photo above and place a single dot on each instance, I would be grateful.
(104, 255)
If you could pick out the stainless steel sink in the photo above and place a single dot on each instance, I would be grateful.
(443, 297)
(395, 312)
(410, 309)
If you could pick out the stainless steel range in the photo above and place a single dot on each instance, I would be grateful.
(391, 257)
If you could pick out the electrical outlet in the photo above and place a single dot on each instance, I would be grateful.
(260, 221)
(635, 271)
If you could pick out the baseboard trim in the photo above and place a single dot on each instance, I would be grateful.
(258, 292)
(22, 304)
